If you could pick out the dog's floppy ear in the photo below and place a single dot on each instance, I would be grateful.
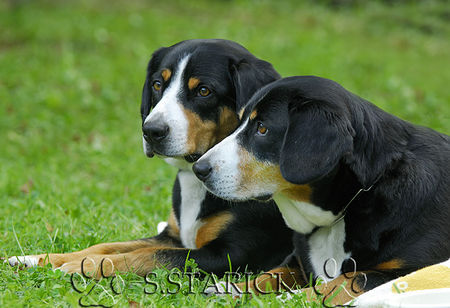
(250, 76)
(316, 139)
(153, 65)
(146, 100)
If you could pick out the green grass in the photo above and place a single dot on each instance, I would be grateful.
(72, 171)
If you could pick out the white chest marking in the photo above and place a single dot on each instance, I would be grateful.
(302, 217)
(326, 244)
(327, 250)
(192, 195)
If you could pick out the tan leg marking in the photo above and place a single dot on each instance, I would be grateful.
(58, 259)
(100, 251)
(140, 261)
(339, 291)
(211, 228)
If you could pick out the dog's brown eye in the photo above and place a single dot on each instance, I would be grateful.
(157, 85)
(204, 91)
(262, 130)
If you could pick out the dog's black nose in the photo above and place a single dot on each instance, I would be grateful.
(155, 131)
(202, 170)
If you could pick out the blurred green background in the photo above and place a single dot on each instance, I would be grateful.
(72, 171)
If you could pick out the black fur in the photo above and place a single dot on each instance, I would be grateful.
(324, 136)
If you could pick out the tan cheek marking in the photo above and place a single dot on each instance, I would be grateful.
(390, 265)
(193, 83)
(202, 135)
(253, 172)
(166, 73)
(211, 228)
(253, 114)
(292, 191)
(256, 173)
(297, 192)
(227, 124)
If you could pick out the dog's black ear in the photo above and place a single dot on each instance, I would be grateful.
(316, 139)
(250, 76)
(146, 100)
(152, 66)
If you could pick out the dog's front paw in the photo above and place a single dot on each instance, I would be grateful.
(27, 261)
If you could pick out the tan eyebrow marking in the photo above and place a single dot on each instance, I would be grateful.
(241, 113)
(166, 73)
(253, 114)
(193, 83)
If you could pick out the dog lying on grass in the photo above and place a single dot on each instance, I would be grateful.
(190, 99)
(365, 192)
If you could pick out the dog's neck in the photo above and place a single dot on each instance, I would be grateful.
(330, 198)
(377, 145)
(301, 216)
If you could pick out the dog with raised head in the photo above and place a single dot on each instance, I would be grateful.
(366, 192)
(190, 99)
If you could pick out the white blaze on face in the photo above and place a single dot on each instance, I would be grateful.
(224, 159)
(170, 111)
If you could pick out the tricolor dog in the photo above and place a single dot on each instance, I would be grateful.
(190, 99)
(362, 188)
